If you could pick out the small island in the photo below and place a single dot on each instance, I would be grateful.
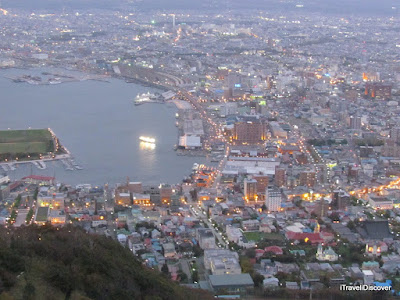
(30, 145)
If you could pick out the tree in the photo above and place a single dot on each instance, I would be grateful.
(183, 278)
(195, 276)
(258, 279)
(334, 216)
(351, 225)
(29, 291)
(251, 253)
(246, 265)
(165, 270)
(197, 251)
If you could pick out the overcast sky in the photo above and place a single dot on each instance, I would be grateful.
(324, 6)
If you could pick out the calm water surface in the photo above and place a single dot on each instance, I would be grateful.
(99, 124)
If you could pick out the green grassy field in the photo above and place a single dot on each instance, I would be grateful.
(258, 236)
(24, 147)
(254, 236)
(25, 141)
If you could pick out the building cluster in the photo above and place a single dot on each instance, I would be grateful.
(298, 116)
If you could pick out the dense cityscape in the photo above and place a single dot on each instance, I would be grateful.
(296, 113)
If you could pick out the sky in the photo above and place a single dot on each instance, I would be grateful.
(373, 7)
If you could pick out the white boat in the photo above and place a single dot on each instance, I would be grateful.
(147, 97)
(147, 139)
(54, 81)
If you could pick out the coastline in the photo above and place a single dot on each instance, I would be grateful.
(39, 162)
(93, 146)
(180, 104)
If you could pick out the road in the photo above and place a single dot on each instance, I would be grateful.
(185, 265)
(21, 217)
(199, 214)
(220, 167)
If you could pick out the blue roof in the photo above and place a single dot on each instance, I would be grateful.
(387, 283)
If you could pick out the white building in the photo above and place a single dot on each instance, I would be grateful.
(206, 238)
(190, 142)
(236, 235)
(368, 276)
(250, 189)
(378, 202)
(273, 199)
(221, 261)
(326, 255)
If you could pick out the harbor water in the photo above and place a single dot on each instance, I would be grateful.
(99, 124)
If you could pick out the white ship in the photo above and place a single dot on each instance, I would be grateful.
(147, 139)
(146, 97)
(149, 98)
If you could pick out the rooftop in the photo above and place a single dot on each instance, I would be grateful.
(226, 280)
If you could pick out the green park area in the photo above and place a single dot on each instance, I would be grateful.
(25, 144)
(258, 236)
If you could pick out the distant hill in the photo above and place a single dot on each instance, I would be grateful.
(346, 7)
(67, 263)
(59, 4)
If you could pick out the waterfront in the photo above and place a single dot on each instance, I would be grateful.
(100, 125)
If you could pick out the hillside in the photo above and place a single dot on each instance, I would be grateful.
(67, 263)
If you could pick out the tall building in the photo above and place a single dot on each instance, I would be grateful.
(378, 90)
(366, 151)
(135, 187)
(321, 208)
(395, 134)
(271, 82)
(249, 132)
(371, 76)
(262, 183)
(340, 200)
(165, 193)
(233, 80)
(355, 122)
(280, 177)
(250, 189)
(273, 199)
(308, 178)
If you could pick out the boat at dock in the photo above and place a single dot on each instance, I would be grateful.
(42, 165)
(54, 81)
(149, 98)
(67, 164)
(75, 165)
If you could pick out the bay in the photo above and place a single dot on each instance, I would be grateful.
(98, 122)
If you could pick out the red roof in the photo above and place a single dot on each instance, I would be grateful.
(86, 218)
(327, 236)
(259, 252)
(15, 185)
(298, 236)
(274, 249)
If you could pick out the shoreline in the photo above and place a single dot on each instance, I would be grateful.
(10, 164)
(69, 178)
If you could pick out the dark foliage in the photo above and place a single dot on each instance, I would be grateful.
(70, 260)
